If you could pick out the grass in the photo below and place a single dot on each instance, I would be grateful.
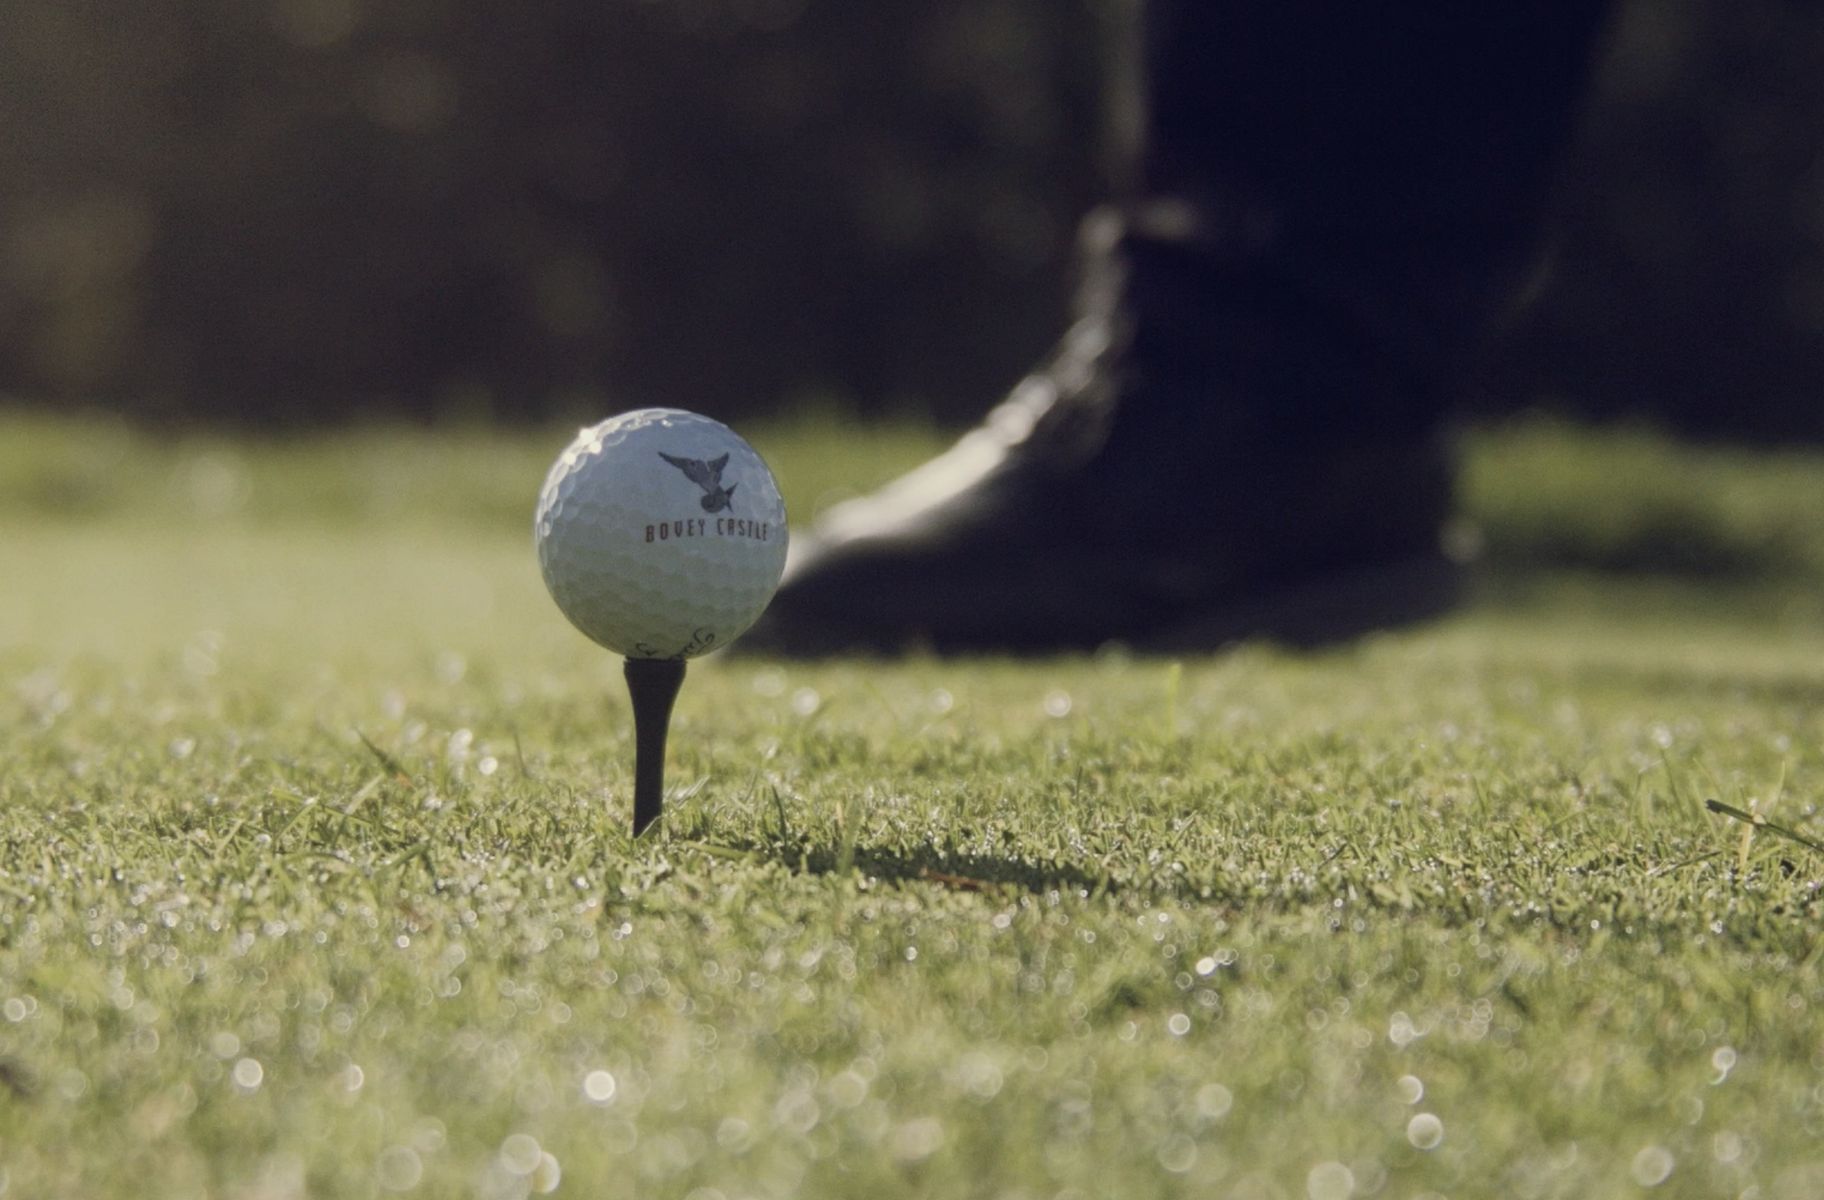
(314, 878)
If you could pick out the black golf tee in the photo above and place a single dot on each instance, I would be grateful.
(653, 684)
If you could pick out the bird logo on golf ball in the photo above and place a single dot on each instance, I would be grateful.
(706, 475)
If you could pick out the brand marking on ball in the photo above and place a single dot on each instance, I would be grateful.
(708, 476)
(724, 527)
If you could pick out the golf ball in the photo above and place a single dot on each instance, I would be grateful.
(661, 534)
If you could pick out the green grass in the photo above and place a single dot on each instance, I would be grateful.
(1442, 913)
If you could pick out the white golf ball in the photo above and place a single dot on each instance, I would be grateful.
(661, 534)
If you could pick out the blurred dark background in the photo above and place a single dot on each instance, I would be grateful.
(280, 212)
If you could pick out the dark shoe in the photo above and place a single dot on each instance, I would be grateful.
(1240, 436)
(1136, 491)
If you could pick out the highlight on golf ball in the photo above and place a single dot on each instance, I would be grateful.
(661, 534)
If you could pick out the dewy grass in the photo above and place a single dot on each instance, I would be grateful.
(315, 879)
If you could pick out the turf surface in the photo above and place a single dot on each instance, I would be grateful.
(314, 878)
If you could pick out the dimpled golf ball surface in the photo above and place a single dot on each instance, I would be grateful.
(661, 534)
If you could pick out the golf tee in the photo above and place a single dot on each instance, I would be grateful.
(652, 684)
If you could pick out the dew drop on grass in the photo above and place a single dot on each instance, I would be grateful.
(1177, 1153)
(1057, 703)
(848, 1089)
(1411, 1088)
(1652, 1166)
(599, 1087)
(547, 1175)
(521, 1154)
(917, 1139)
(1425, 1131)
(398, 1169)
(429, 1135)
(734, 1134)
(806, 701)
(1214, 1101)
(248, 1074)
(1401, 1031)
(797, 1112)
(1330, 1181)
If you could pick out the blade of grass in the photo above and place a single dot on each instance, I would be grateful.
(386, 760)
(1757, 821)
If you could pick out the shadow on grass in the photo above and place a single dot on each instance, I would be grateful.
(923, 864)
